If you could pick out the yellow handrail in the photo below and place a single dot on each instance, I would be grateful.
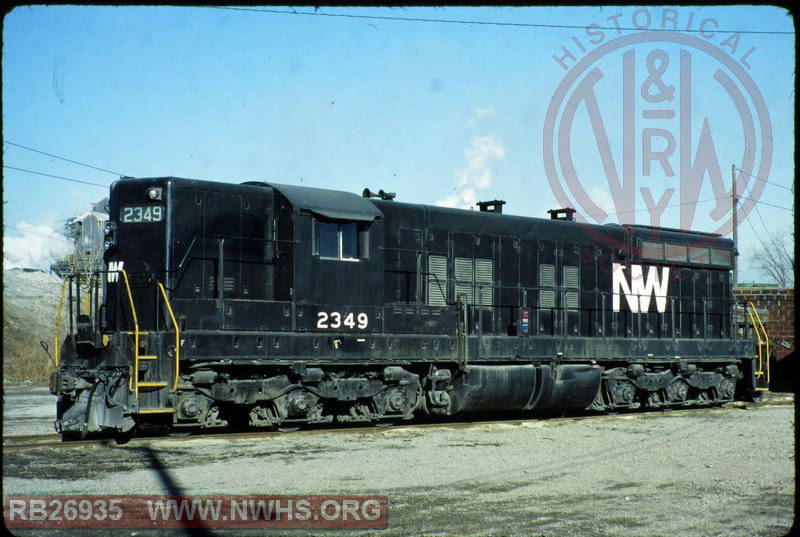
(58, 318)
(88, 298)
(177, 334)
(758, 326)
(133, 380)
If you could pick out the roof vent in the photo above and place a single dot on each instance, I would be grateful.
(494, 206)
(567, 213)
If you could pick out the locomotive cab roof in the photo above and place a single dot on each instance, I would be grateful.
(333, 204)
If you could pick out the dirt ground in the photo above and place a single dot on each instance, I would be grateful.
(721, 471)
(30, 308)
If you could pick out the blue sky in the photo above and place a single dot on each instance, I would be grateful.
(393, 98)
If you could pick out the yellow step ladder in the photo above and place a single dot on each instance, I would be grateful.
(762, 365)
(135, 384)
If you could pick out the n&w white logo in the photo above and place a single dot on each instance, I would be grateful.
(113, 271)
(641, 289)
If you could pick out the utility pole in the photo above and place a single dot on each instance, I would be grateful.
(733, 223)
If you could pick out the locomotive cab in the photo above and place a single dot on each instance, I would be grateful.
(206, 281)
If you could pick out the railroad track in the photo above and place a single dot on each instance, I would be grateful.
(37, 441)
(29, 441)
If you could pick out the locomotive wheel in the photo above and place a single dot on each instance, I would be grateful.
(727, 389)
(622, 393)
(654, 400)
(677, 391)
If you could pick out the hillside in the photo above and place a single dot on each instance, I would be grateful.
(30, 306)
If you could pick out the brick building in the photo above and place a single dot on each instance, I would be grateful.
(776, 307)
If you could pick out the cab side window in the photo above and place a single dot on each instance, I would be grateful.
(340, 240)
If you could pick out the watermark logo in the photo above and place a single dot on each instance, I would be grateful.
(655, 117)
(313, 512)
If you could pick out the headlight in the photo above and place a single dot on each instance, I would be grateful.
(154, 193)
(110, 235)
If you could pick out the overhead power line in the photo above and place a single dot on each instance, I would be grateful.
(757, 178)
(62, 158)
(122, 175)
(318, 13)
(55, 176)
(761, 202)
(673, 205)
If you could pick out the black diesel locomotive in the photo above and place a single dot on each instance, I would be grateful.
(278, 306)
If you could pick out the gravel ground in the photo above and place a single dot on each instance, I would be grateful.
(723, 471)
(28, 409)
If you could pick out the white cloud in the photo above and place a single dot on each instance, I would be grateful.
(602, 198)
(477, 174)
(479, 115)
(39, 246)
